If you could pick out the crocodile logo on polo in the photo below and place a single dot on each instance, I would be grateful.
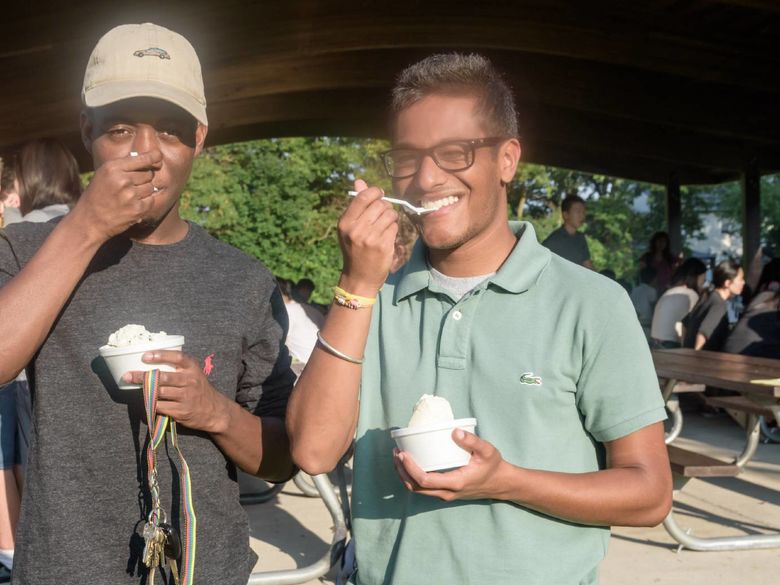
(529, 379)
(152, 52)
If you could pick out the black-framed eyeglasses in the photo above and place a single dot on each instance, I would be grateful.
(452, 156)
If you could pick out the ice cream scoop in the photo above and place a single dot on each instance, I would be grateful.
(431, 410)
(133, 335)
(428, 438)
(125, 349)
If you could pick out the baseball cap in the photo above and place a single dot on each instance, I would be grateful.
(144, 60)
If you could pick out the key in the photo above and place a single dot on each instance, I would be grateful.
(154, 539)
(148, 534)
(172, 549)
(173, 566)
(172, 546)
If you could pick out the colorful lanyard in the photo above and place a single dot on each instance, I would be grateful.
(157, 426)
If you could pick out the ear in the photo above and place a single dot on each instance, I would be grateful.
(85, 124)
(508, 159)
(200, 137)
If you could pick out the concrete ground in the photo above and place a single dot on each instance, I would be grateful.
(293, 530)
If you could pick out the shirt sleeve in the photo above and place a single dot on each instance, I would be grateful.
(267, 380)
(618, 391)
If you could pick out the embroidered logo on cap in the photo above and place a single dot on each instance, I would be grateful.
(529, 379)
(153, 52)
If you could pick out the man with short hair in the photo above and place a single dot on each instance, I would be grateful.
(548, 358)
(124, 255)
(566, 241)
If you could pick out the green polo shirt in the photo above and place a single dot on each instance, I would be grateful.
(538, 316)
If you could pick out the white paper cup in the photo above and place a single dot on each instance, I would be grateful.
(432, 447)
(121, 360)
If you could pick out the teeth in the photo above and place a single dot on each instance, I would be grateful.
(439, 203)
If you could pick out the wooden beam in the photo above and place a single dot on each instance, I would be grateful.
(639, 35)
(595, 148)
(674, 214)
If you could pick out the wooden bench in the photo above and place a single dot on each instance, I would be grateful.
(687, 387)
(741, 404)
(689, 464)
(692, 464)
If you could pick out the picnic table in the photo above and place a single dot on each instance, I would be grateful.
(685, 370)
(688, 370)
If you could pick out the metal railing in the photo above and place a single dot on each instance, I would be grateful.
(329, 559)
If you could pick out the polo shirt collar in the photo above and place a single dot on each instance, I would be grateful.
(519, 272)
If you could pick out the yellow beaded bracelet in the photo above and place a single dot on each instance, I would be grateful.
(350, 301)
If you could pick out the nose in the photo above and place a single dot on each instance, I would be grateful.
(430, 175)
(145, 138)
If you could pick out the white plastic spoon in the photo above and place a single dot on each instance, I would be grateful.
(409, 206)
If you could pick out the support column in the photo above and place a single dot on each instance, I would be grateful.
(674, 213)
(751, 213)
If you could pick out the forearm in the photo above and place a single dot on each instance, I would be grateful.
(31, 301)
(700, 341)
(258, 446)
(627, 496)
(323, 408)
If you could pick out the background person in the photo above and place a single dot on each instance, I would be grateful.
(676, 303)
(304, 322)
(567, 241)
(644, 297)
(302, 291)
(757, 333)
(707, 325)
(404, 242)
(9, 195)
(45, 179)
(660, 258)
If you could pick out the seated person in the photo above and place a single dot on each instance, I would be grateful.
(757, 333)
(304, 322)
(676, 303)
(707, 326)
(644, 296)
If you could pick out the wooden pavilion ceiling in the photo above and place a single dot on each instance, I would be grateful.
(638, 89)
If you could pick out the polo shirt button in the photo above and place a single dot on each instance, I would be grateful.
(457, 315)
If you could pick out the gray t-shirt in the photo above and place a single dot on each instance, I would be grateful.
(86, 498)
(573, 247)
(458, 286)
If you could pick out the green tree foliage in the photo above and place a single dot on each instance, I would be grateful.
(279, 200)
(618, 229)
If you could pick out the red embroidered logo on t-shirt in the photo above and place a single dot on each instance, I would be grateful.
(208, 364)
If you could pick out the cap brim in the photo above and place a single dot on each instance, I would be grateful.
(109, 93)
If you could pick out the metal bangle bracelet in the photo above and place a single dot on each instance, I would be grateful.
(336, 352)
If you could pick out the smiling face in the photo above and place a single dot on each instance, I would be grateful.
(140, 125)
(471, 204)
